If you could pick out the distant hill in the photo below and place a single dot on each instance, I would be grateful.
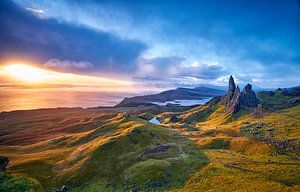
(280, 98)
(171, 95)
(294, 91)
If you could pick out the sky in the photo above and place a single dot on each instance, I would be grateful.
(160, 43)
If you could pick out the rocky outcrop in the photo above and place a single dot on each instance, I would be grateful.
(248, 97)
(63, 189)
(3, 163)
(283, 91)
(235, 99)
(175, 119)
(234, 104)
(214, 101)
(258, 111)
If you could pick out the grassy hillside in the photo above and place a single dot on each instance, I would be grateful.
(126, 152)
(9, 183)
(199, 149)
(245, 153)
(250, 154)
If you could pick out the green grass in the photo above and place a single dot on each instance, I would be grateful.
(276, 101)
(282, 126)
(243, 161)
(200, 114)
(116, 159)
(216, 177)
(106, 157)
(218, 143)
(9, 183)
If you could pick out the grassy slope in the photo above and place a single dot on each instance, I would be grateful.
(122, 153)
(9, 183)
(276, 101)
(243, 159)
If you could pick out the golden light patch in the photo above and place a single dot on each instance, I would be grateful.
(27, 73)
(30, 75)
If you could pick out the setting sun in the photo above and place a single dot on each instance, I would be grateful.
(27, 73)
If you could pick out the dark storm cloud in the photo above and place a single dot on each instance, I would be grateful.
(26, 36)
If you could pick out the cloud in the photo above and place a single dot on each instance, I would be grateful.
(157, 67)
(25, 36)
(148, 37)
(38, 12)
(66, 65)
(201, 70)
(173, 70)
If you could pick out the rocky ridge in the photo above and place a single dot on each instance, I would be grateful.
(236, 99)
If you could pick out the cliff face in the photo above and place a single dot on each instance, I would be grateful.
(235, 99)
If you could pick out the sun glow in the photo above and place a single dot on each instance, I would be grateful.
(27, 73)
(38, 77)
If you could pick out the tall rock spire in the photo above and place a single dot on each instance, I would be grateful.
(231, 90)
(231, 86)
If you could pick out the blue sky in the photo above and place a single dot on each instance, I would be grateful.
(159, 42)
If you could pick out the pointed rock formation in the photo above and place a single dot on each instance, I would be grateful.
(231, 90)
(234, 99)
(231, 87)
(248, 97)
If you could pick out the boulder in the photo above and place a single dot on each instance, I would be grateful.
(214, 101)
(3, 163)
(258, 111)
(296, 102)
(63, 189)
(175, 119)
